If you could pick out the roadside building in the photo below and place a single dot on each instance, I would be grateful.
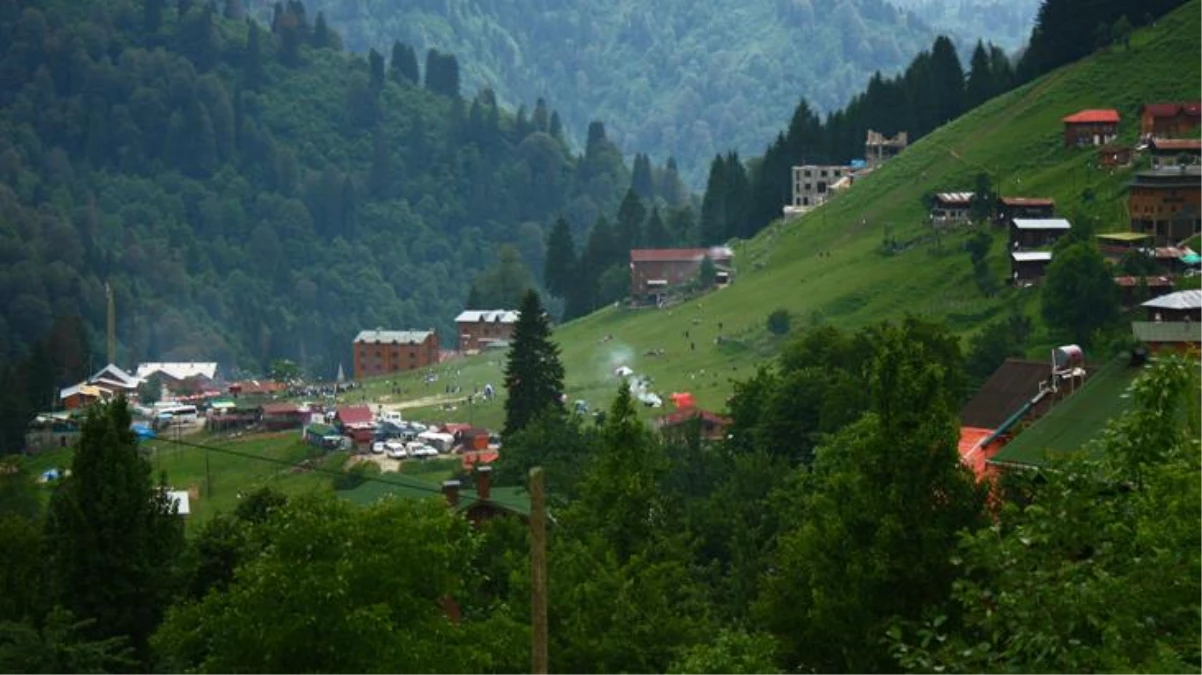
(278, 416)
(484, 329)
(1114, 154)
(1181, 306)
(879, 148)
(654, 272)
(377, 352)
(1166, 203)
(951, 208)
(180, 377)
(1136, 290)
(1091, 127)
(1029, 266)
(1166, 120)
(1170, 151)
(1009, 208)
(1031, 233)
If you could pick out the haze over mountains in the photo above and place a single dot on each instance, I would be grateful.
(674, 78)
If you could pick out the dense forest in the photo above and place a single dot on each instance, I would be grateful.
(676, 78)
(1007, 23)
(248, 192)
(741, 197)
(835, 530)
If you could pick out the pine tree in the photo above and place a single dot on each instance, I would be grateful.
(641, 180)
(713, 204)
(533, 372)
(376, 67)
(379, 176)
(631, 214)
(657, 235)
(254, 58)
(541, 118)
(980, 78)
(949, 79)
(321, 33)
(556, 126)
(108, 521)
(560, 271)
(403, 65)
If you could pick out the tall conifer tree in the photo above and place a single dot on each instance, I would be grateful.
(533, 373)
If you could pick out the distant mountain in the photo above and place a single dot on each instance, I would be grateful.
(689, 78)
(1006, 23)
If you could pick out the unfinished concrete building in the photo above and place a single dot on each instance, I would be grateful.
(878, 147)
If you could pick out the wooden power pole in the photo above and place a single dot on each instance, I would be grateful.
(538, 586)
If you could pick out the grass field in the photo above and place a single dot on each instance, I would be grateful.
(1016, 139)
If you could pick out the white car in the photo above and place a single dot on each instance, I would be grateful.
(396, 450)
(418, 427)
(422, 450)
(378, 448)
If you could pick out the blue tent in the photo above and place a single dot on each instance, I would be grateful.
(143, 431)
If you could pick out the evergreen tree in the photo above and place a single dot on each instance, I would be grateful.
(254, 58)
(403, 65)
(561, 268)
(473, 299)
(321, 33)
(108, 521)
(379, 176)
(641, 180)
(631, 214)
(234, 10)
(713, 204)
(533, 372)
(556, 126)
(948, 80)
(657, 235)
(376, 68)
(541, 118)
(442, 73)
(980, 78)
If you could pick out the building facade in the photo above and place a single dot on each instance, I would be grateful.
(1166, 202)
(377, 352)
(1028, 266)
(655, 271)
(951, 208)
(878, 148)
(1170, 151)
(813, 184)
(1028, 233)
(1168, 120)
(1009, 208)
(1091, 127)
(481, 329)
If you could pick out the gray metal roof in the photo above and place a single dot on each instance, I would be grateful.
(393, 336)
(1031, 256)
(1191, 299)
(488, 315)
(1042, 224)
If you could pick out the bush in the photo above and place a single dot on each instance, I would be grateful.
(779, 322)
(356, 475)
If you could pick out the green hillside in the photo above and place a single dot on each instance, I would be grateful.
(1015, 138)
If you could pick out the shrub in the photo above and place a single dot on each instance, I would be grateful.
(779, 322)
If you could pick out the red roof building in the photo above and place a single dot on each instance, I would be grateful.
(354, 415)
(1165, 120)
(1091, 127)
(713, 426)
(653, 271)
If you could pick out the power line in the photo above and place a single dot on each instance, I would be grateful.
(416, 484)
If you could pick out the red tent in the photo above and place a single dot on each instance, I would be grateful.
(683, 400)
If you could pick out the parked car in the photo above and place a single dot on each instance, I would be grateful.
(396, 450)
(378, 448)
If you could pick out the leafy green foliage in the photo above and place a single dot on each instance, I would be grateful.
(109, 521)
(533, 373)
(997, 341)
(61, 645)
(880, 535)
(1079, 294)
(250, 193)
(779, 322)
(502, 285)
(679, 79)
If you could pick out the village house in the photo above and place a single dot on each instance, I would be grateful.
(1091, 127)
(1115, 245)
(81, 395)
(814, 184)
(356, 422)
(1182, 306)
(711, 426)
(1168, 151)
(482, 329)
(1166, 120)
(279, 416)
(1130, 288)
(951, 208)
(1029, 233)
(377, 352)
(655, 271)
(878, 148)
(1166, 203)
(1015, 393)
(1028, 266)
(485, 502)
(1009, 208)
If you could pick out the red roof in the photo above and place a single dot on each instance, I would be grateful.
(1027, 201)
(682, 416)
(1152, 282)
(973, 454)
(1191, 108)
(679, 254)
(1194, 144)
(280, 409)
(470, 459)
(1094, 116)
(355, 414)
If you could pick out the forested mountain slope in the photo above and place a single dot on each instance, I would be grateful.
(248, 192)
(672, 77)
(1006, 23)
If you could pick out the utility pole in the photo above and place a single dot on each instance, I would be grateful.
(538, 586)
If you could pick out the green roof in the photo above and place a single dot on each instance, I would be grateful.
(1072, 423)
(513, 499)
(1125, 236)
(1166, 331)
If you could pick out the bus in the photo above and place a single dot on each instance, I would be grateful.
(178, 414)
